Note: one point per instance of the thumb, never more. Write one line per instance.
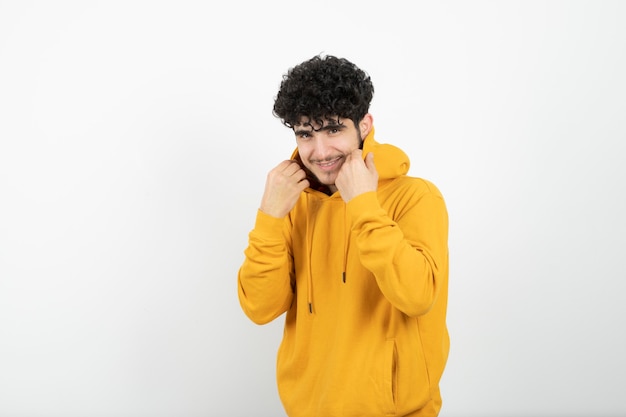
(369, 161)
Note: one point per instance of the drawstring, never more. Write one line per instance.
(309, 249)
(346, 242)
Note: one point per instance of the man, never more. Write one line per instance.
(354, 251)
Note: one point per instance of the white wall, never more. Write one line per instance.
(134, 142)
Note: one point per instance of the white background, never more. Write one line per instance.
(134, 142)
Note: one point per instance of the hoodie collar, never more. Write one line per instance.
(391, 162)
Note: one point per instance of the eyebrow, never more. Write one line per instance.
(329, 126)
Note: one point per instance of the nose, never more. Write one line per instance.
(322, 149)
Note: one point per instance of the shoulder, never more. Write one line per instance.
(414, 186)
(418, 196)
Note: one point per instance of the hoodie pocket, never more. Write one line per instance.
(390, 376)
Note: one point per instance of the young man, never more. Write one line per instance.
(355, 252)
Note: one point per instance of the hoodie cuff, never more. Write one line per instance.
(268, 226)
(363, 204)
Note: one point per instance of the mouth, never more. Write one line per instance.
(329, 165)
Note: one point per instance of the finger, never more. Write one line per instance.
(294, 171)
(304, 184)
(291, 168)
(357, 154)
(299, 175)
(369, 163)
(284, 164)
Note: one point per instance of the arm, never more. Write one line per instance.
(265, 289)
(264, 279)
(408, 256)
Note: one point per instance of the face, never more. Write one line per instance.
(323, 149)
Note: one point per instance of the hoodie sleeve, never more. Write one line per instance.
(407, 254)
(264, 278)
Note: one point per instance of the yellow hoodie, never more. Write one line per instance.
(365, 287)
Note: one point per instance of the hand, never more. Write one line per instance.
(357, 176)
(282, 188)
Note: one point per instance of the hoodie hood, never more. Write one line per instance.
(391, 162)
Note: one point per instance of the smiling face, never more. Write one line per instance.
(323, 148)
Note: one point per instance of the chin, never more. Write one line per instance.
(327, 179)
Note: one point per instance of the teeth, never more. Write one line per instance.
(327, 164)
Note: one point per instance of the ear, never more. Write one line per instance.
(365, 125)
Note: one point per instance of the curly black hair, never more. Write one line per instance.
(323, 88)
